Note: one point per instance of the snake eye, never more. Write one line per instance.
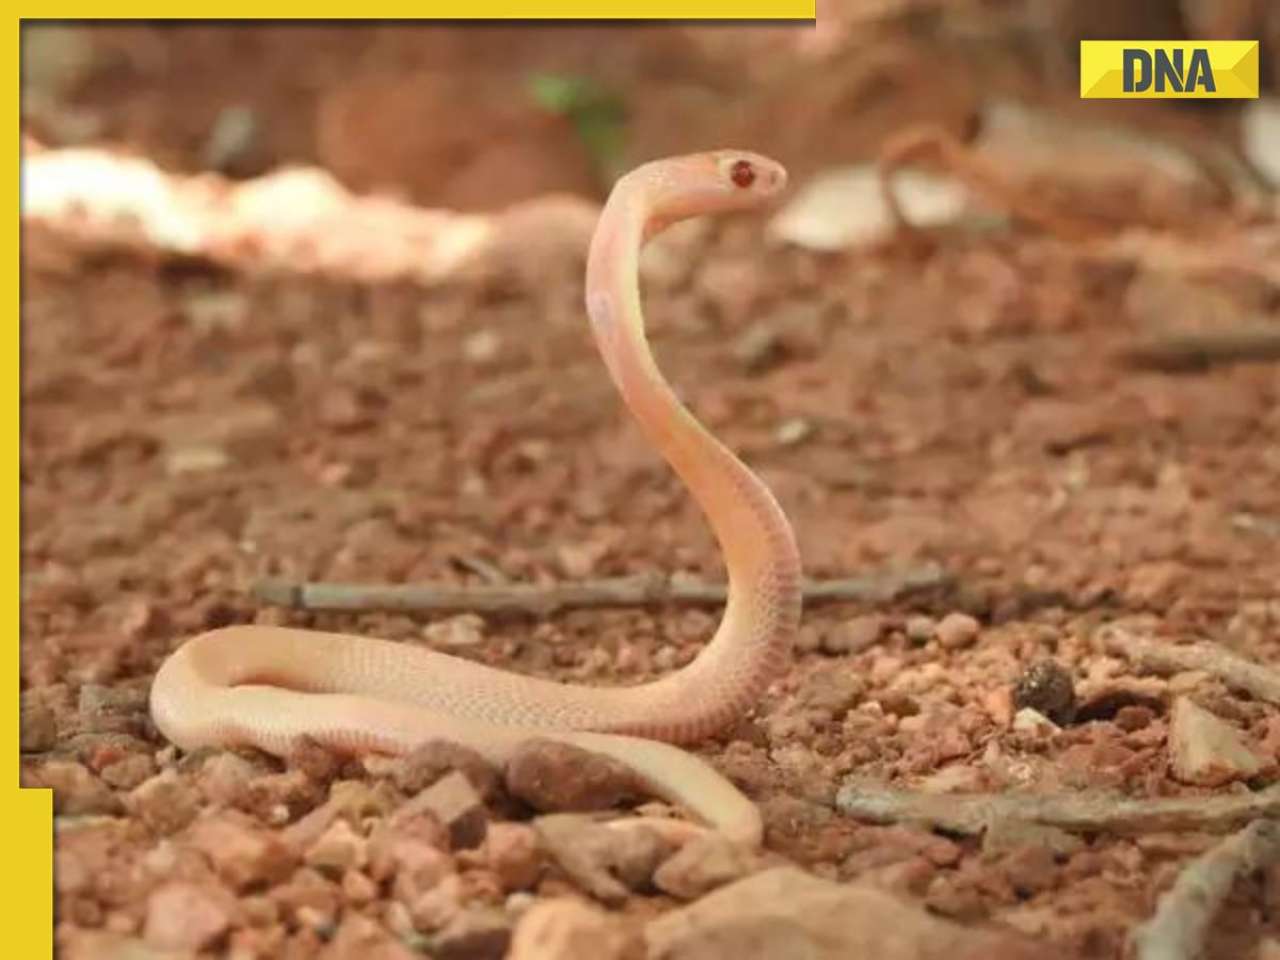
(743, 173)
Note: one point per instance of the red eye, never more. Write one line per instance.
(743, 173)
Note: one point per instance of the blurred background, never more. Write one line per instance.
(478, 117)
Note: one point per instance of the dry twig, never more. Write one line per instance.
(1084, 812)
(1176, 931)
(1254, 679)
(540, 601)
(1190, 352)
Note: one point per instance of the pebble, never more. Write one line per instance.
(567, 929)
(513, 853)
(166, 802)
(242, 853)
(434, 908)
(920, 629)
(793, 431)
(1206, 750)
(224, 778)
(701, 865)
(1006, 834)
(758, 347)
(787, 912)
(357, 888)
(477, 933)
(359, 938)
(956, 631)
(553, 777)
(426, 764)
(76, 791)
(1046, 687)
(454, 802)
(37, 726)
(854, 636)
(455, 633)
(1028, 720)
(1030, 869)
(128, 772)
(604, 861)
(184, 916)
(338, 850)
(416, 865)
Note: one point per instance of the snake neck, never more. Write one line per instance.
(751, 645)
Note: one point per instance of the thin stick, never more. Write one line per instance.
(1083, 812)
(1176, 931)
(539, 600)
(1237, 672)
(1181, 352)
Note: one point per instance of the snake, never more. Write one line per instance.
(276, 687)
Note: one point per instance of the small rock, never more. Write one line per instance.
(37, 725)
(195, 458)
(454, 802)
(76, 791)
(701, 865)
(455, 633)
(357, 888)
(339, 850)
(1206, 750)
(957, 630)
(514, 855)
(308, 890)
(832, 693)
(784, 912)
(854, 636)
(128, 772)
(1005, 835)
(477, 933)
(551, 776)
(1155, 585)
(1034, 722)
(166, 803)
(224, 778)
(1047, 688)
(416, 864)
(920, 629)
(1134, 717)
(604, 861)
(434, 908)
(1030, 869)
(359, 937)
(567, 929)
(241, 852)
(794, 430)
(185, 916)
(758, 347)
(482, 347)
(435, 758)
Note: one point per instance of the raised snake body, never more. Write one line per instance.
(272, 687)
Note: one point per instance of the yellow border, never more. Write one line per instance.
(502, 10)
(26, 814)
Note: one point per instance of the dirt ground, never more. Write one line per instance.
(958, 401)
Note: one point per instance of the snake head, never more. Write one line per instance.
(714, 182)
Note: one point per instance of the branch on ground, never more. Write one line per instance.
(1235, 671)
(1178, 927)
(542, 600)
(1082, 812)
(1191, 352)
